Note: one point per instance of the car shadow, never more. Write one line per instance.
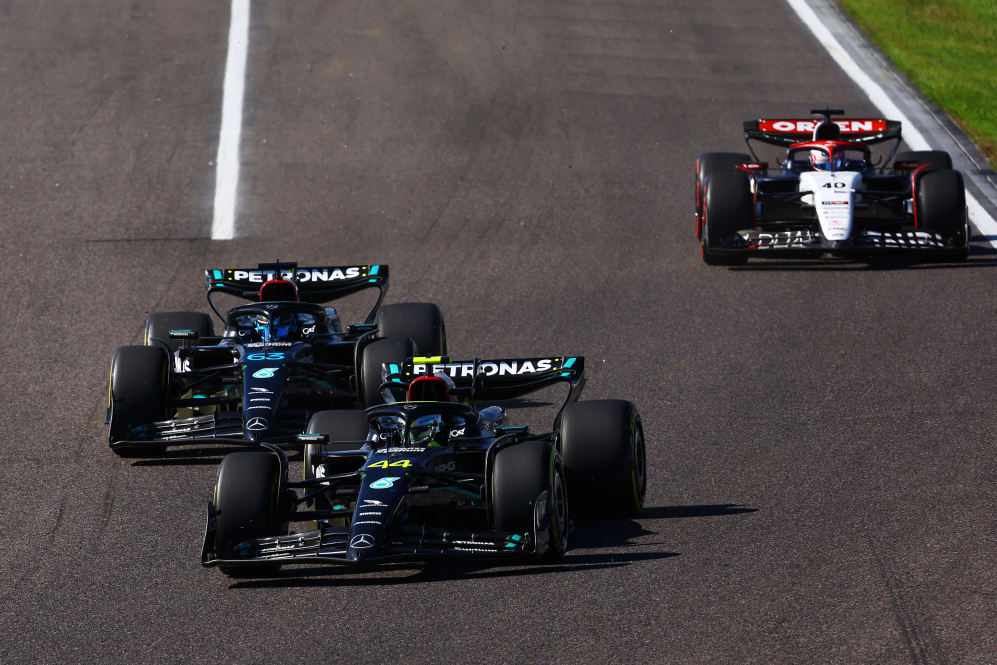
(981, 256)
(591, 534)
(204, 456)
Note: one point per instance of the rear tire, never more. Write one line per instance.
(159, 325)
(605, 458)
(727, 210)
(421, 321)
(341, 424)
(138, 394)
(246, 502)
(520, 474)
(938, 160)
(941, 208)
(390, 350)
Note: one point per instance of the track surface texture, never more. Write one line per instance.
(820, 433)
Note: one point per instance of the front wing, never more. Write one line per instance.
(863, 243)
(331, 545)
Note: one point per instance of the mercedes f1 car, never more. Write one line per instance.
(432, 475)
(828, 196)
(280, 359)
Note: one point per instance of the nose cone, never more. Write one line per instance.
(361, 545)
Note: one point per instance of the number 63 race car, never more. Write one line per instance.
(828, 196)
(280, 359)
(432, 475)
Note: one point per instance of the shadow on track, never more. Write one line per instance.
(983, 256)
(589, 535)
(204, 456)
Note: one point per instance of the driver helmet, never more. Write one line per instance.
(285, 327)
(428, 432)
(820, 160)
(436, 388)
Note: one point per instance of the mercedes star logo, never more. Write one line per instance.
(256, 424)
(362, 541)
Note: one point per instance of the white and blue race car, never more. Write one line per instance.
(829, 196)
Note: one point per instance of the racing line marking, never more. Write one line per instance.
(227, 161)
(912, 135)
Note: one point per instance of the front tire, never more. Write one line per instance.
(727, 210)
(247, 506)
(941, 208)
(605, 457)
(520, 474)
(138, 394)
(707, 164)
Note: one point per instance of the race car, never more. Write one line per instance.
(280, 359)
(434, 474)
(829, 196)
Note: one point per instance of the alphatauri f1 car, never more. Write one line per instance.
(828, 196)
(280, 359)
(432, 475)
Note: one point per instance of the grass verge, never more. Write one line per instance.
(948, 49)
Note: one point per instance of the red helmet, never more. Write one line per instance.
(278, 290)
(434, 388)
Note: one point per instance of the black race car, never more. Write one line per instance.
(434, 475)
(279, 359)
(829, 196)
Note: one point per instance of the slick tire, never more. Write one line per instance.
(605, 459)
(938, 160)
(246, 504)
(390, 350)
(940, 202)
(727, 210)
(420, 321)
(138, 394)
(345, 424)
(706, 165)
(520, 474)
(159, 325)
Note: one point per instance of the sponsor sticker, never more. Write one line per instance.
(857, 126)
(384, 483)
(362, 541)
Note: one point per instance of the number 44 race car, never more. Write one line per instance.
(432, 475)
(828, 196)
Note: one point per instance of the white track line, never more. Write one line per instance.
(227, 161)
(912, 135)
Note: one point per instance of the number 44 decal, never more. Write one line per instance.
(383, 464)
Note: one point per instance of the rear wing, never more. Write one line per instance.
(316, 285)
(785, 132)
(493, 379)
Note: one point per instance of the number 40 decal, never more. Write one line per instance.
(383, 464)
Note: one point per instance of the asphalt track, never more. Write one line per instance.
(820, 433)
